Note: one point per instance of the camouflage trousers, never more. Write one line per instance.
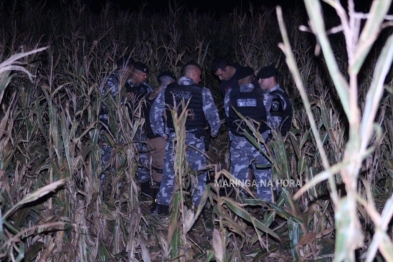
(143, 171)
(243, 153)
(196, 162)
(106, 156)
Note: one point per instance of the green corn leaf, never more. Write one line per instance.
(369, 34)
(295, 233)
(375, 92)
(348, 236)
(21, 253)
(239, 211)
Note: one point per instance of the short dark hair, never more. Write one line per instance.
(190, 63)
(125, 61)
(219, 63)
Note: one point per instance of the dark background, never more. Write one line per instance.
(214, 7)
(218, 6)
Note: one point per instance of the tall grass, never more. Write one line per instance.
(49, 135)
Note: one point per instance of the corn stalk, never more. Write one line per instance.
(349, 235)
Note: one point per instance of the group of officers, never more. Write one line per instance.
(257, 98)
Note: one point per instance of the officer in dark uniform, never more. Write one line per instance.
(248, 100)
(226, 72)
(204, 111)
(278, 105)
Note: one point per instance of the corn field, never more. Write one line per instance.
(337, 70)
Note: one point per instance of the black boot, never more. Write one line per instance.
(154, 190)
(161, 210)
(146, 189)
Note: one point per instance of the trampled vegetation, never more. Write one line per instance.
(54, 64)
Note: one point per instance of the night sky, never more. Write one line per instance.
(217, 7)
(203, 6)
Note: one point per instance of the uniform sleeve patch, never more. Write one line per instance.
(275, 105)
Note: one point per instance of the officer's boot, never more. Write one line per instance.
(155, 188)
(146, 189)
(160, 210)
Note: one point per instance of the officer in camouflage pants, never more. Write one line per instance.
(277, 103)
(136, 89)
(204, 110)
(110, 92)
(155, 142)
(248, 100)
(196, 161)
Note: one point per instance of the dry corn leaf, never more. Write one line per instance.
(218, 246)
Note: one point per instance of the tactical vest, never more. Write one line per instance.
(277, 109)
(146, 106)
(250, 105)
(196, 119)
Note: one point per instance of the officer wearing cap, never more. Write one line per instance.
(110, 91)
(136, 89)
(278, 105)
(204, 111)
(155, 142)
(116, 80)
(248, 100)
(137, 86)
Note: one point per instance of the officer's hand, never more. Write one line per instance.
(165, 137)
(130, 96)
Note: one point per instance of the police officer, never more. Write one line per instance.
(155, 142)
(117, 79)
(136, 89)
(278, 105)
(204, 110)
(248, 100)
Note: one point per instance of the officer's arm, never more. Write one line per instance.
(287, 115)
(227, 103)
(148, 87)
(156, 111)
(211, 112)
(111, 86)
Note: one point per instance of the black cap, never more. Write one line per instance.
(125, 61)
(166, 73)
(243, 71)
(141, 67)
(266, 72)
(191, 63)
